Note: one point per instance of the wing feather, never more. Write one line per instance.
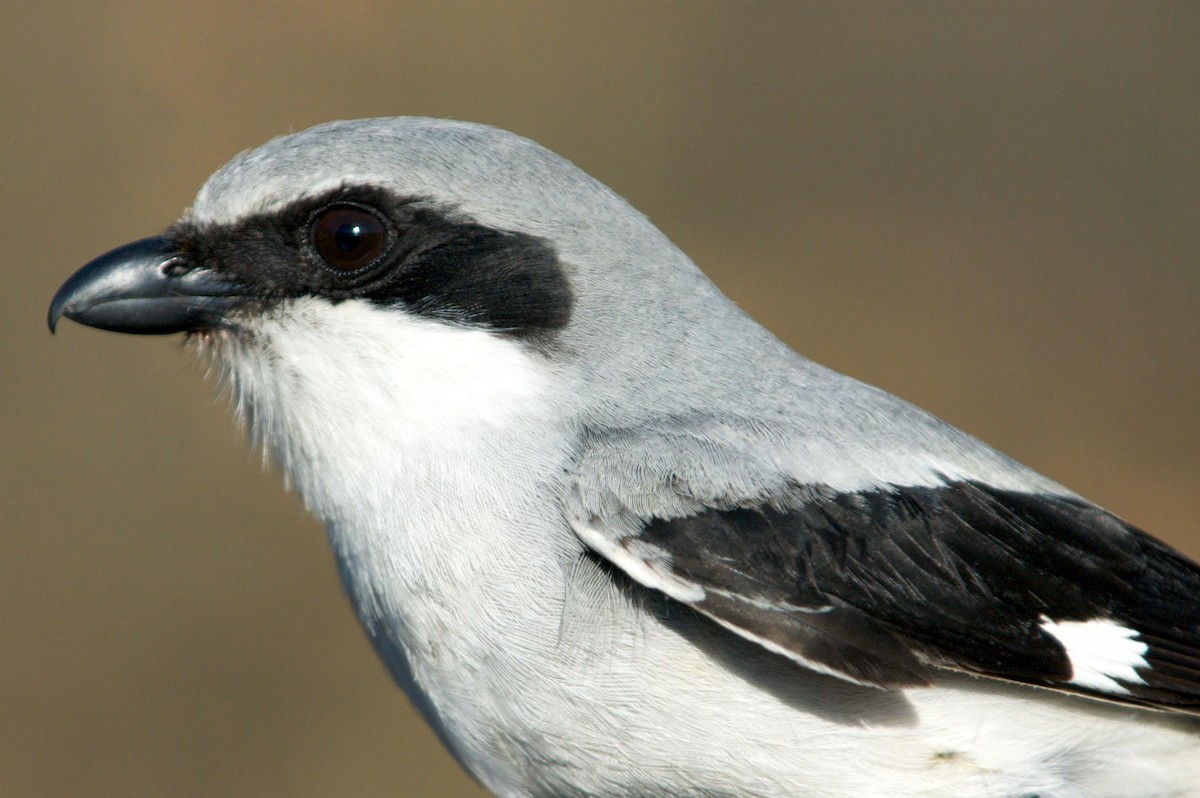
(882, 586)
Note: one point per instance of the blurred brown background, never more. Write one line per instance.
(992, 210)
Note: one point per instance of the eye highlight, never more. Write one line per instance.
(349, 238)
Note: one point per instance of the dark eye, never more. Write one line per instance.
(349, 238)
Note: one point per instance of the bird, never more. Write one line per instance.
(614, 538)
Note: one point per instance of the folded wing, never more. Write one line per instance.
(885, 584)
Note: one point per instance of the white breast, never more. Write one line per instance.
(426, 449)
(434, 456)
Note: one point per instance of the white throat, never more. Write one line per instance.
(426, 449)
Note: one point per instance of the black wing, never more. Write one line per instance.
(881, 586)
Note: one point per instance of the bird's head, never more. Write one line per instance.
(360, 275)
(356, 249)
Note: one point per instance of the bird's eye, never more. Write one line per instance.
(349, 238)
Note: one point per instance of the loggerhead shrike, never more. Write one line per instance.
(613, 537)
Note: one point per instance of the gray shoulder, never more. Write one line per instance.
(845, 437)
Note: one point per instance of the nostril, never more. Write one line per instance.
(175, 267)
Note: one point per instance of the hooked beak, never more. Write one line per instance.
(139, 288)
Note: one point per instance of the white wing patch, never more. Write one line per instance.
(1101, 652)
